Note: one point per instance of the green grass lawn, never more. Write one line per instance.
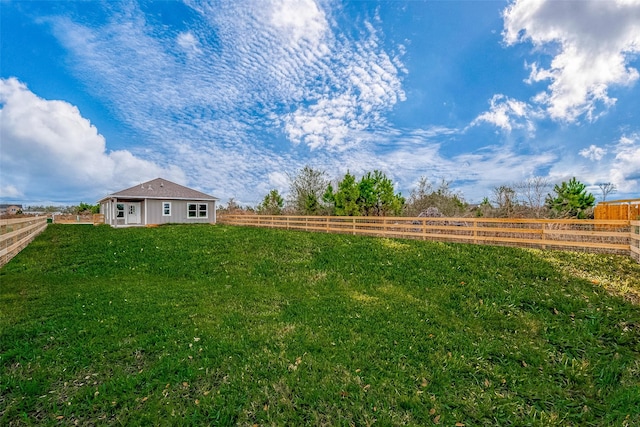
(220, 325)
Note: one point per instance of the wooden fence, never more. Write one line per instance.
(634, 240)
(72, 219)
(628, 209)
(16, 234)
(612, 236)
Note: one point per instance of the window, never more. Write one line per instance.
(120, 210)
(132, 210)
(166, 208)
(197, 210)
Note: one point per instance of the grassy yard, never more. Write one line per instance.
(219, 325)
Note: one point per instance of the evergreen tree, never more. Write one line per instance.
(571, 199)
(377, 197)
(346, 197)
(329, 198)
(373, 195)
(272, 204)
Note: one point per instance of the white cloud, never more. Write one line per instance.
(10, 192)
(361, 84)
(280, 67)
(300, 20)
(279, 181)
(593, 152)
(595, 40)
(189, 43)
(508, 114)
(625, 170)
(48, 148)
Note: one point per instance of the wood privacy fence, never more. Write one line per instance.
(611, 236)
(628, 209)
(16, 234)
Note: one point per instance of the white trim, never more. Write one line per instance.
(132, 213)
(163, 213)
(197, 212)
(124, 213)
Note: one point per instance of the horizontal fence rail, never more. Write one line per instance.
(72, 219)
(16, 234)
(610, 236)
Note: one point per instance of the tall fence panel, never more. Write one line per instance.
(16, 234)
(611, 236)
(618, 209)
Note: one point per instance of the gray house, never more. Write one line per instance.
(157, 202)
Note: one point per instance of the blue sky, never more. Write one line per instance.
(232, 97)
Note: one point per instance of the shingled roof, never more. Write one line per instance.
(161, 188)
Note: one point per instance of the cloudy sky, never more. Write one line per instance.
(229, 97)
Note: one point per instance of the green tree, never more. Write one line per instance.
(86, 208)
(372, 195)
(271, 204)
(346, 197)
(329, 198)
(571, 199)
(377, 197)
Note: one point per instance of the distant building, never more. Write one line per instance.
(10, 209)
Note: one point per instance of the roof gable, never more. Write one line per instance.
(160, 188)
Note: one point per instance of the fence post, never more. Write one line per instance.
(544, 237)
(475, 231)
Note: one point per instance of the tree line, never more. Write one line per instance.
(311, 192)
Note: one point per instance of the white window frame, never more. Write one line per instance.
(197, 210)
(166, 205)
(120, 212)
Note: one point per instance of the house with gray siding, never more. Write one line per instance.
(155, 202)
